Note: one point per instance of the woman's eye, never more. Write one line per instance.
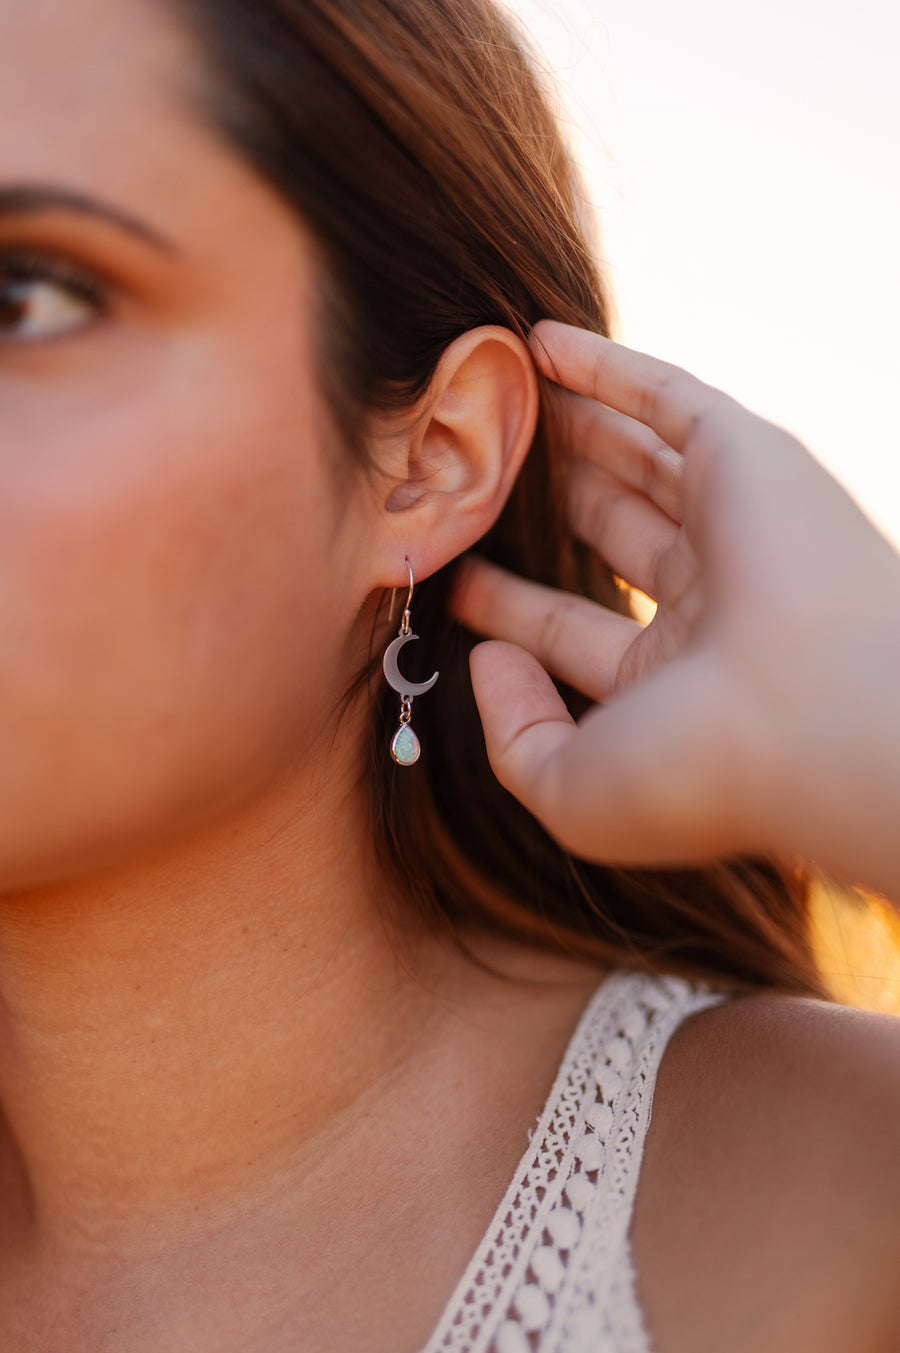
(39, 301)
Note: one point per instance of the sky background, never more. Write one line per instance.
(744, 162)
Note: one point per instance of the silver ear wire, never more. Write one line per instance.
(405, 746)
(409, 597)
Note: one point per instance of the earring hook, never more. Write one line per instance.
(404, 627)
(404, 623)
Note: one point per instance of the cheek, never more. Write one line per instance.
(172, 602)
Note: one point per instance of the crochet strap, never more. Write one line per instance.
(553, 1273)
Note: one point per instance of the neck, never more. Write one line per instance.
(174, 1036)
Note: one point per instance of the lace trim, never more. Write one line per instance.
(553, 1273)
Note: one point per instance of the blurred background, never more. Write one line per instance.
(744, 163)
(744, 166)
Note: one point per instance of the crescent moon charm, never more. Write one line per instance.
(395, 678)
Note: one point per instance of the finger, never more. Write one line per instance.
(580, 642)
(623, 527)
(661, 396)
(626, 449)
(525, 721)
(647, 780)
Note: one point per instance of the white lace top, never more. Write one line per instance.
(553, 1273)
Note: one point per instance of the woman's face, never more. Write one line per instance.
(182, 545)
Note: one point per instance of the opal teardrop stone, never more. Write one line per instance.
(405, 746)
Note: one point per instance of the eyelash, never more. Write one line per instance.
(28, 265)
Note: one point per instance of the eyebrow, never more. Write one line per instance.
(29, 200)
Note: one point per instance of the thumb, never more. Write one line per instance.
(526, 723)
(653, 778)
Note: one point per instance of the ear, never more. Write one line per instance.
(451, 468)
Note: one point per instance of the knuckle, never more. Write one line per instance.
(658, 392)
(590, 508)
(698, 428)
(713, 418)
(597, 374)
(655, 466)
(552, 630)
(656, 568)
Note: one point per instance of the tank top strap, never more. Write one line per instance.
(553, 1273)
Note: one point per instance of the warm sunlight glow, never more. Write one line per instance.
(744, 166)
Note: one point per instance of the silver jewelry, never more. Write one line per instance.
(405, 746)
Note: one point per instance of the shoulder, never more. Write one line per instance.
(810, 1069)
(803, 1054)
(771, 1178)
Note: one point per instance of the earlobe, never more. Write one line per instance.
(461, 454)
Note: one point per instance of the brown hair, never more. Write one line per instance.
(414, 140)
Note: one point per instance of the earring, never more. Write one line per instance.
(405, 746)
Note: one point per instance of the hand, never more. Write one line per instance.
(760, 709)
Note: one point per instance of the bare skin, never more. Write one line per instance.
(766, 1217)
(231, 1103)
(223, 1084)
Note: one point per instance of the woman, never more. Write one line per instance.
(278, 1013)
